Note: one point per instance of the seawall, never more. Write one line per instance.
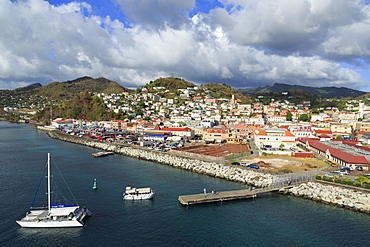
(357, 199)
(327, 193)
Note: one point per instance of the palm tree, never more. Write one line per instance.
(362, 180)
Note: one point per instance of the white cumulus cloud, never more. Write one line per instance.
(242, 43)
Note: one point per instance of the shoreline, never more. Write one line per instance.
(333, 194)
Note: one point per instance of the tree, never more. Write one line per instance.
(363, 180)
(315, 111)
(289, 116)
(281, 146)
(304, 118)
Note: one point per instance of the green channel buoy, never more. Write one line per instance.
(95, 186)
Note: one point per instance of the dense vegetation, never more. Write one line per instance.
(84, 106)
(171, 83)
(69, 89)
(217, 90)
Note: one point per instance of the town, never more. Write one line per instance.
(194, 123)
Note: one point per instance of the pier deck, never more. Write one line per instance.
(226, 195)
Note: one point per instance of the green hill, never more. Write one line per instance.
(82, 106)
(218, 90)
(171, 83)
(70, 89)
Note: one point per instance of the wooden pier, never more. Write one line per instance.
(227, 195)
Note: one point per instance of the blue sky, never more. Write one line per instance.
(243, 43)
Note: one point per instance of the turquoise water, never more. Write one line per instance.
(271, 220)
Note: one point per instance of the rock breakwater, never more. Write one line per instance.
(332, 194)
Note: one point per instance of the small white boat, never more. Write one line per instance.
(102, 154)
(138, 194)
(54, 215)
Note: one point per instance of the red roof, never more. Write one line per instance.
(176, 129)
(328, 132)
(341, 155)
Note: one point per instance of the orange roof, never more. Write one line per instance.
(241, 126)
(288, 133)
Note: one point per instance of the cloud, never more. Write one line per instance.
(241, 43)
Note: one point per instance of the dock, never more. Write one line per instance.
(227, 195)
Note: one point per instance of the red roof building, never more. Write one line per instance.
(340, 157)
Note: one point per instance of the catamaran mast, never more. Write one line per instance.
(49, 182)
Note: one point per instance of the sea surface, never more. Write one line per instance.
(270, 220)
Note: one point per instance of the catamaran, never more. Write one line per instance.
(54, 215)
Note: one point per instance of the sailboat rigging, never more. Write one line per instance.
(55, 215)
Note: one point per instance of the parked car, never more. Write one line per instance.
(235, 163)
(337, 173)
(253, 166)
(345, 170)
(243, 164)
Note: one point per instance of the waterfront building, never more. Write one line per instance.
(60, 123)
(335, 155)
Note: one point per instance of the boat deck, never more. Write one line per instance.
(33, 215)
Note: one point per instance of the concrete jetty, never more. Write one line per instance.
(227, 195)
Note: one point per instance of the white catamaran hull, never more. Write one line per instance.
(50, 223)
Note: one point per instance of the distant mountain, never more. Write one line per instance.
(327, 92)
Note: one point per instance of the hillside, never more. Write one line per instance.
(171, 83)
(217, 90)
(69, 89)
(82, 106)
(327, 92)
(172, 86)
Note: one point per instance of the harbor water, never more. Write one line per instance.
(269, 220)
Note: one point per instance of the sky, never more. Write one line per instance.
(243, 43)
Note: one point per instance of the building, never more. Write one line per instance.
(362, 126)
(185, 132)
(217, 134)
(336, 156)
(273, 137)
(60, 123)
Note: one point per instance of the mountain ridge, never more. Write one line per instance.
(327, 92)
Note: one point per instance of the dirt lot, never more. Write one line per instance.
(279, 162)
